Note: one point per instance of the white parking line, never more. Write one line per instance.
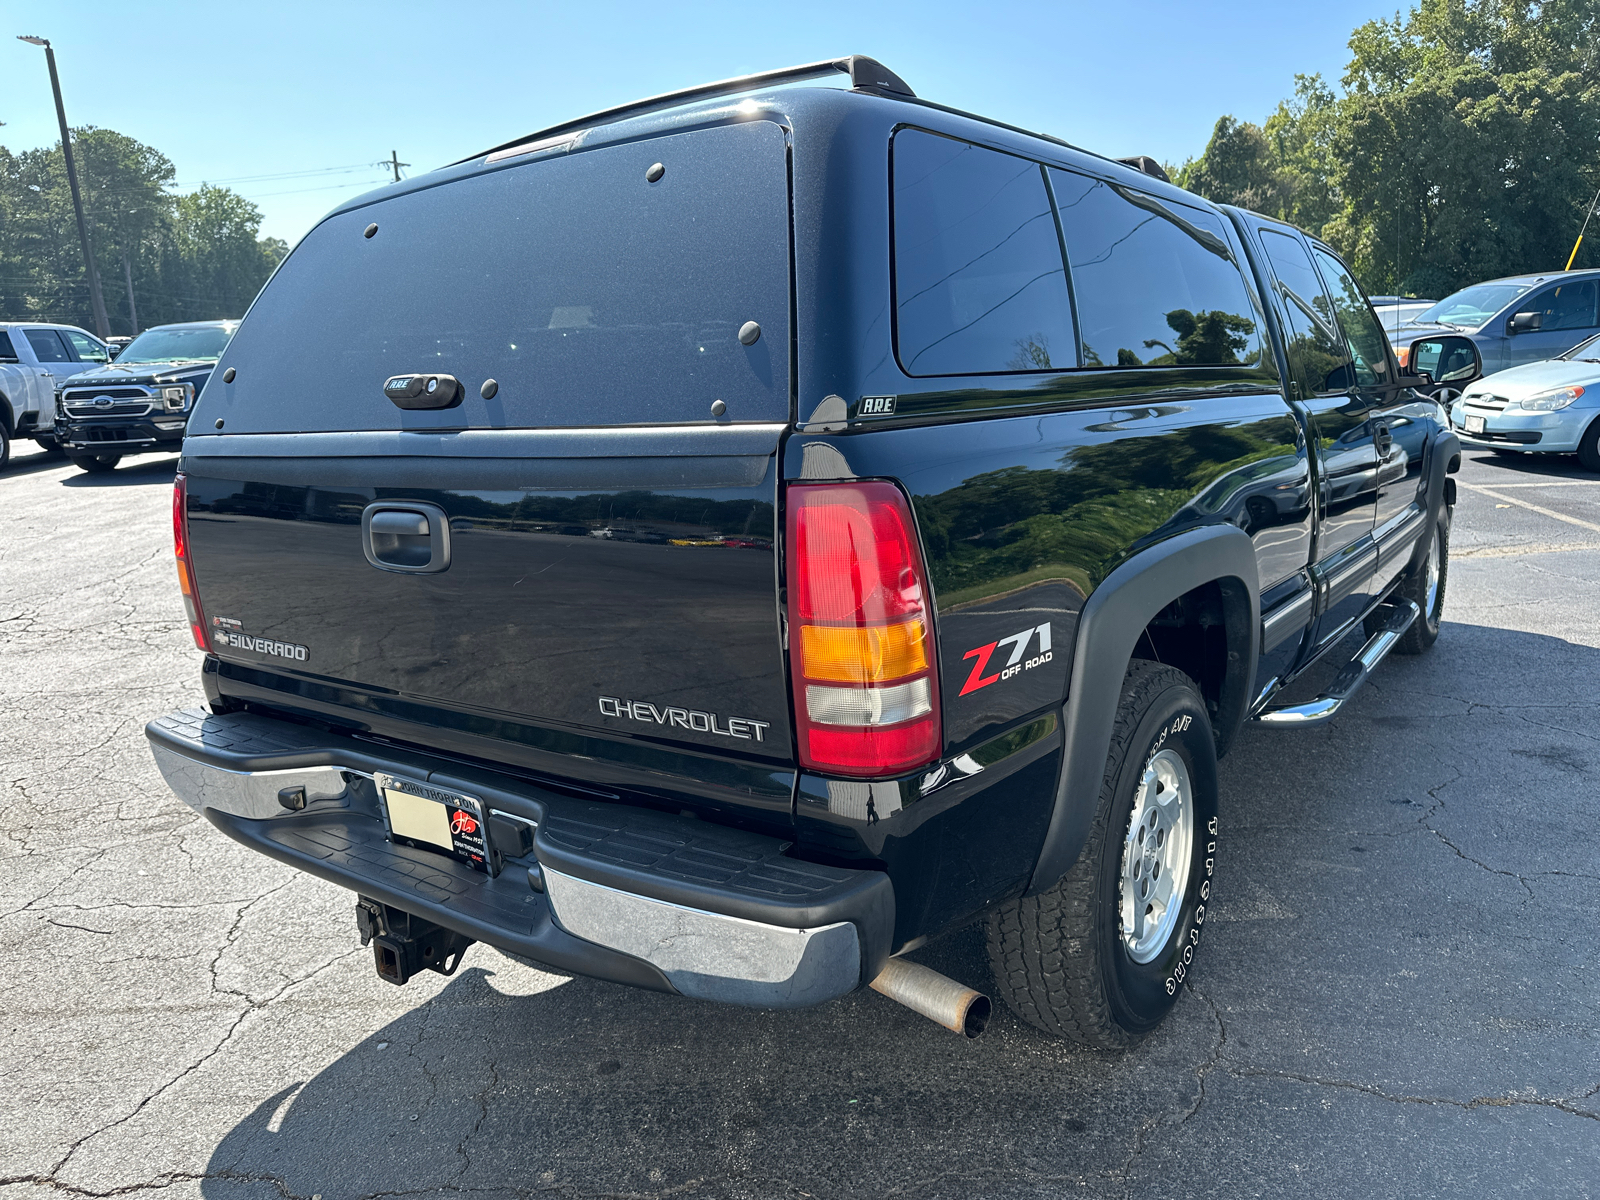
(1552, 483)
(1543, 512)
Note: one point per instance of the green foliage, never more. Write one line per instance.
(189, 257)
(1466, 145)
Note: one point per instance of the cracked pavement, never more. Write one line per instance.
(1399, 994)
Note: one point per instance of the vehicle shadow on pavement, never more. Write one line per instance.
(157, 470)
(1389, 857)
(594, 1088)
(1544, 466)
(31, 464)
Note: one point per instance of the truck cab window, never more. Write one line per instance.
(8, 352)
(47, 346)
(84, 347)
(979, 282)
(1368, 345)
(1314, 336)
(1156, 282)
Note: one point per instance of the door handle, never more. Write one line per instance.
(406, 536)
(1382, 438)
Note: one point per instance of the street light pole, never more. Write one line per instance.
(102, 326)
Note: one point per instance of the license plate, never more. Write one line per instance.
(1475, 424)
(434, 818)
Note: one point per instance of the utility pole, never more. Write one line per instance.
(394, 161)
(101, 325)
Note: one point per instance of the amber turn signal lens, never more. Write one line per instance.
(874, 654)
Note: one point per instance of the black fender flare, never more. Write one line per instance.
(1113, 618)
(1443, 449)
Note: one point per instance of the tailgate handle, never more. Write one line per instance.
(406, 536)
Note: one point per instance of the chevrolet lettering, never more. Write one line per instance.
(683, 718)
(1007, 482)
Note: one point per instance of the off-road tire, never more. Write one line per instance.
(95, 464)
(1424, 631)
(1589, 447)
(1058, 958)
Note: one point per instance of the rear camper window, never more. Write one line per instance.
(1157, 282)
(589, 294)
(979, 281)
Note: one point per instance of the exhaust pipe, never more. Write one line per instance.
(954, 1005)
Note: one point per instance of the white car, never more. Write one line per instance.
(1549, 407)
(34, 359)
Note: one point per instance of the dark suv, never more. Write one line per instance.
(140, 402)
(722, 543)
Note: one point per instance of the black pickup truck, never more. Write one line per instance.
(141, 402)
(721, 543)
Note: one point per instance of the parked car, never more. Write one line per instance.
(1065, 475)
(34, 357)
(140, 402)
(1549, 407)
(1516, 320)
(1395, 312)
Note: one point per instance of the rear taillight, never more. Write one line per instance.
(866, 687)
(180, 544)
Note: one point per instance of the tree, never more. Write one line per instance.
(219, 262)
(160, 257)
(1466, 145)
(1467, 142)
(1238, 167)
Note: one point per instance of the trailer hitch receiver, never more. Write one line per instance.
(402, 944)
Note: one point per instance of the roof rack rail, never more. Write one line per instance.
(866, 74)
(1143, 162)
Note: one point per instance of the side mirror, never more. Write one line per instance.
(1525, 322)
(1445, 359)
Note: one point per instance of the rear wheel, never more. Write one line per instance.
(1589, 448)
(95, 464)
(1099, 957)
(5, 446)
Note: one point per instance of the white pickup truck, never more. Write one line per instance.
(34, 359)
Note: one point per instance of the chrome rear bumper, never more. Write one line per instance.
(615, 892)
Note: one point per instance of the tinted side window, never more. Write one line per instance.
(1368, 345)
(1566, 306)
(84, 347)
(47, 347)
(979, 282)
(1156, 283)
(1314, 337)
(8, 352)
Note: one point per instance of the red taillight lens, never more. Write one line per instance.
(866, 688)
(180, 545)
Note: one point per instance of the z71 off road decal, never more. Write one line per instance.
(1015, 665)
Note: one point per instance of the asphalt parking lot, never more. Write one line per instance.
(1400, 995)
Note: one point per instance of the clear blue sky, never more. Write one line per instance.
(232, 93)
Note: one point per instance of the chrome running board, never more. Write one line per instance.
(1356, 672)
